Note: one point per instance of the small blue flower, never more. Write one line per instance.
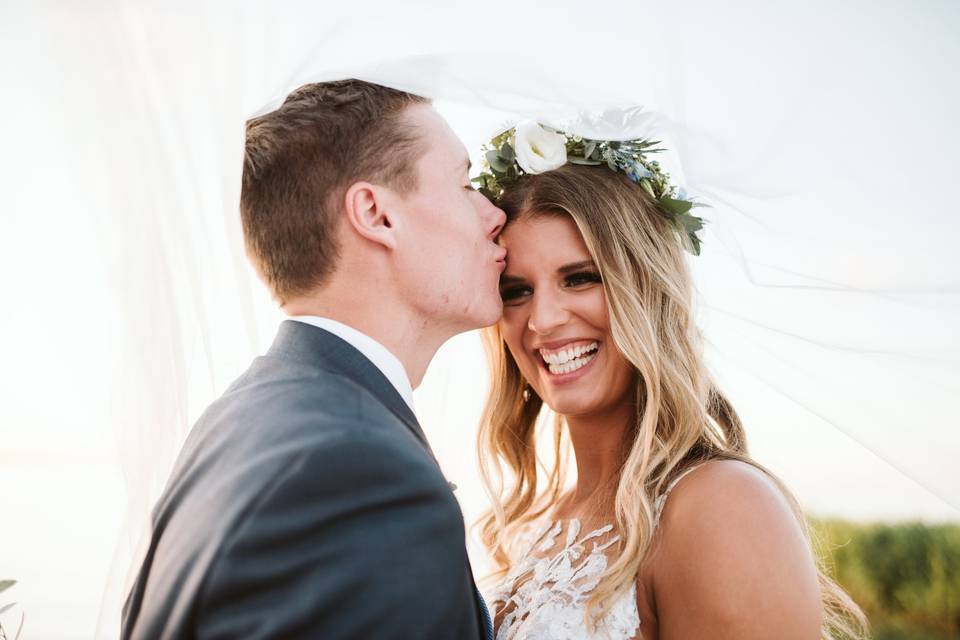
(637, 171)
(682, 194)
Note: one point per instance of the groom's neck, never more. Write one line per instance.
(410, 338)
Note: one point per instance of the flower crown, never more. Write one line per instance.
(531, 148)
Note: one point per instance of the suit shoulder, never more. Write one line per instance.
(264, 425)
(283, 401)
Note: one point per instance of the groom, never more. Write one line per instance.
(306, 502)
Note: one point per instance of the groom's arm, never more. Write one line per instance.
(357, 538)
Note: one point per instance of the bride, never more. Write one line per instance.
(671, 529)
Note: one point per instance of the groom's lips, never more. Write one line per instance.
(501, 258)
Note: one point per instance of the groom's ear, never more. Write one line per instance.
(366, 210)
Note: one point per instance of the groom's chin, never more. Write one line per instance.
(490, 314)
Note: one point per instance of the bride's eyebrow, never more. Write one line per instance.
(576, 266)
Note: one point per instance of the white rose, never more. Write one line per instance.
(539, 150)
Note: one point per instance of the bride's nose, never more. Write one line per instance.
(547, 314)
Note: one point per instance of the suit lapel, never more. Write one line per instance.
(486, 621)
(306, 343)
(311, 345)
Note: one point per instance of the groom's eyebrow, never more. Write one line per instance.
(576, 266)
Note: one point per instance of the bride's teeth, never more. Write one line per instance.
(558, 369)
(567, 356)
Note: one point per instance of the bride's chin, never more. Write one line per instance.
(566, 406)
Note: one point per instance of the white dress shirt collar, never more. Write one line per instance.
(379, 355)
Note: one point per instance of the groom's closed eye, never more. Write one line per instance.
(465, 170)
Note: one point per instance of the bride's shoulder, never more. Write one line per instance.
(728, 536)
(725, 498)
(719, 485)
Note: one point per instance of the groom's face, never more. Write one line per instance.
(449, 264)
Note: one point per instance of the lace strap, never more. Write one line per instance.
(662, 498)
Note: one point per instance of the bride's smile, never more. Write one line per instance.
(568, 359)
(555, 319)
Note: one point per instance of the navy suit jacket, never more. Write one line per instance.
(306, 503)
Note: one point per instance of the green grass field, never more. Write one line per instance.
(906, 576)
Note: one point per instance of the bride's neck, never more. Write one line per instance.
(597, 441)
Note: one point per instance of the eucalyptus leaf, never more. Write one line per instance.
(6, 584)
(690, 223)
(589, 148)
(497, 164)
(507, 152)
(586, 161)
(676, 207)
(492, 156)
(7, 607)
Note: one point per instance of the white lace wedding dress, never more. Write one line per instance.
(544, 595)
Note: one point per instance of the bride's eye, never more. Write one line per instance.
(582, 278)
(514, 294)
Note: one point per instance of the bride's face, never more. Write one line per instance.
(555, 319)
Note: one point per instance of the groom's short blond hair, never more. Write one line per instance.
(299, 161)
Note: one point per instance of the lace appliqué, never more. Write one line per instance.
(545, 594)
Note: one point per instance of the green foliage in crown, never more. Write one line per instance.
(531, 148)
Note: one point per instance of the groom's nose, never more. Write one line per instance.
(495, 218)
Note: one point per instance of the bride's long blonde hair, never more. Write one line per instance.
(681, 417)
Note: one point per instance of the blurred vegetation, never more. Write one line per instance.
(4, 585)
(906, 576)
